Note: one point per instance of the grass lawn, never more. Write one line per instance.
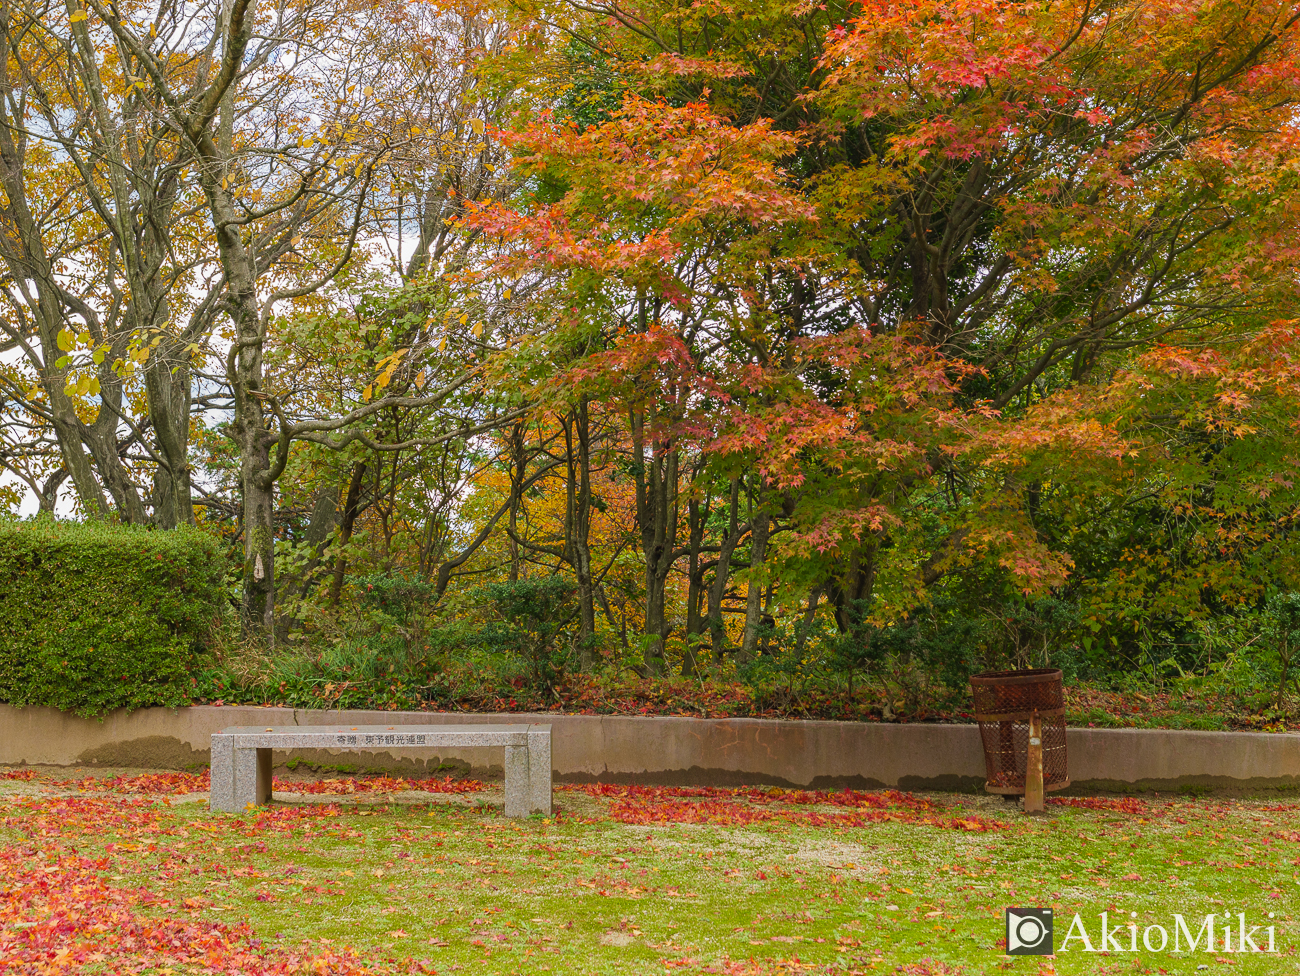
(132, 874)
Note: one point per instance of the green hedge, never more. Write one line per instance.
(97, 617)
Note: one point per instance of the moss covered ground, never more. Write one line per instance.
(133, 874)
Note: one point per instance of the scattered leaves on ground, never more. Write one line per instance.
(127, 874)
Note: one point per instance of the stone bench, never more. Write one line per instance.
(241, 757)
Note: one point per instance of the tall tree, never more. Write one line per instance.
(1030, 194)
(109, 291)
(289, 155)
(646, 234)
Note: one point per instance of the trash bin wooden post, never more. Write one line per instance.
(1034, 765)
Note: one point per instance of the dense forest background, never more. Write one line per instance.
(826, 352)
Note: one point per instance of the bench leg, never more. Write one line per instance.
(239, 777)
(221, 792)
(252, 777)
(263, 776)
(517, 781)
(539, 772)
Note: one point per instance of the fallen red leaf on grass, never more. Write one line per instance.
(1129, 805)
(149, 784)
(736, 814)
(59, 914)
(929, 967)
(380, 784)
(733, 807)
(881, 799)
(179, 784)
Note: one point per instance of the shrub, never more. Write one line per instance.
(530, 620)
(397, 595)
(95, 617)
(1282, 630)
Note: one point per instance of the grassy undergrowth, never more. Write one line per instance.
(294, 679)
(622, 882)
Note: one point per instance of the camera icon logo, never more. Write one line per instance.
(1029, 932)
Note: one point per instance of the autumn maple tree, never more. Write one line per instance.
(976, 217)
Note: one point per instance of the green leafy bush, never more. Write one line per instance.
(97, 617)
(397, 595)
(1282, 631)
(530, 619)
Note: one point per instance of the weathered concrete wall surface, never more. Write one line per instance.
(673, 750)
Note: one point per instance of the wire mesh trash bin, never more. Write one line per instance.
(1005, 704)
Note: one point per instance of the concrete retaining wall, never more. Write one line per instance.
(675, 750)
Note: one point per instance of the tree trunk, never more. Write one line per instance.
(75, 460)
(518, 470)
(656, 509)
(697, 515)
(351, 509)
(1284, 652)
(852, 587)
(801, 638)
(582, 540)
(761, 523)
(717, 629)
(49, 494)
(167, 383)
(325, 512)
(257, 608)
